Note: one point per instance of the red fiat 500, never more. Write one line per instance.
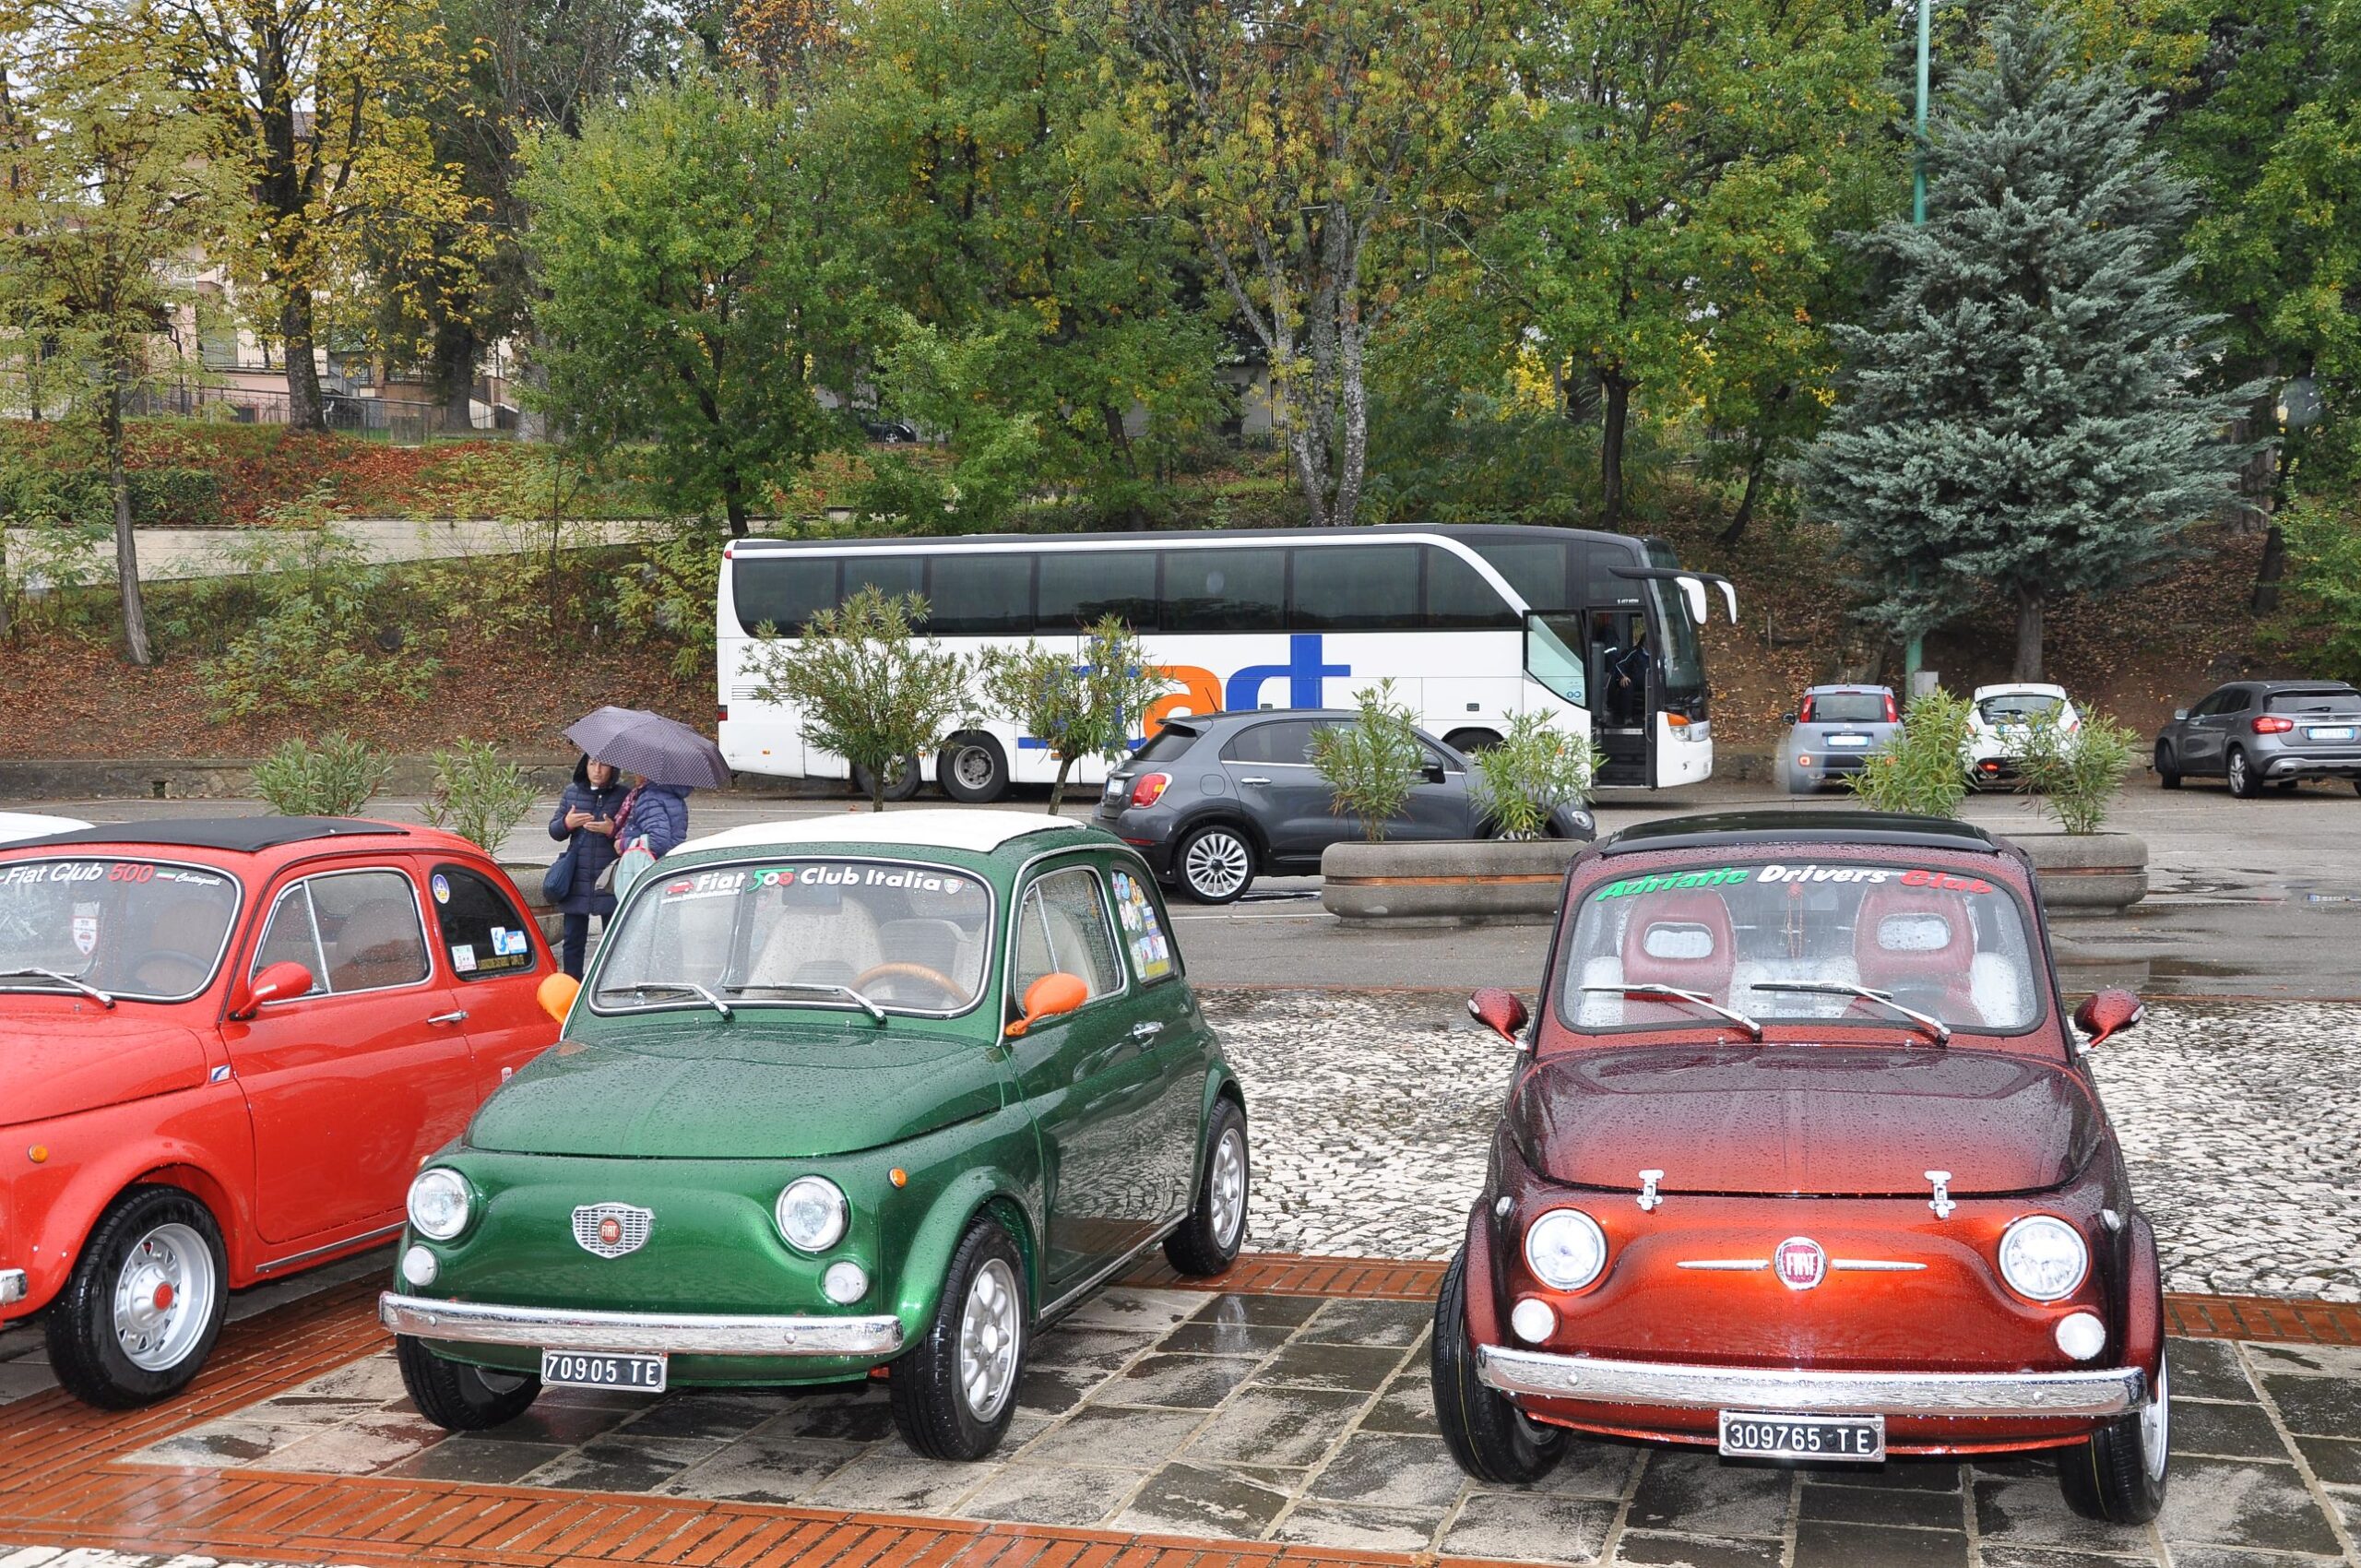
(228, 1043)
(1802, 1161)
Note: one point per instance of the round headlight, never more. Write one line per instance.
(2043, 1258)
(439, 1201)
(811, 1213)
(1566, 1249)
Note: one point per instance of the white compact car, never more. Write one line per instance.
(17, 825)
(1998, 715)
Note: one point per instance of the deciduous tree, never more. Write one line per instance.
(1089, 702)
(869, 688)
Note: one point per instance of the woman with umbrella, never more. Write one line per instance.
(670, 758)
(585, 819)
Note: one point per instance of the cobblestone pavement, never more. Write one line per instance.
(1295, 1419)
(2242, 1125)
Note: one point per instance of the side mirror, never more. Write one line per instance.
(1787, 719)
(1048, 997)
(1433, 772)
(556, 995)
(1502, 1012)
(2180, 713)
(278, 982)
(2106, 1014)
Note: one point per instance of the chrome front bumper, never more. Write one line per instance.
(684, 1334)
(1661, 1385)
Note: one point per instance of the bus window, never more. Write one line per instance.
(783, 591)
(1355, 587)
(1225, 590)
(1079, 586)
(1598, 581)
(980, 593)
(1536, 569)
(1460, 600)
(903, 572)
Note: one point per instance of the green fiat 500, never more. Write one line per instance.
(838, 1095)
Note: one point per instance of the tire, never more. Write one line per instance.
(1467, 742)
(2168, 770)
(1209, 1241)
(1489, 1437)
(2243, 784)
(2119, 1475)
(972, 769)
(904, 783)
(1214, 865)
(954, 1392)
(459, 1397)
(143, 1306)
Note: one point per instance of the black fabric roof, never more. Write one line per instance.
(1717, 828)
(243, 834)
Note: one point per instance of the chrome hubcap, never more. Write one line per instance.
(988, 1336)
(972, 766)
(163, 1297)
(2155, 1426)
(1217, 864)
(1227, 1188)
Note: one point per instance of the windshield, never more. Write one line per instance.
(1845, 707)
(2017, 708)
(144, 931)
(795, 932)
(1681, 672)
(1950, 945)
(2326, 701)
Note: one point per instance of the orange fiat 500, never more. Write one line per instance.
(228, 1042)
(1802, 1161)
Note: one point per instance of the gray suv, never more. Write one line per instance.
(1216, 800)
(2258, 732)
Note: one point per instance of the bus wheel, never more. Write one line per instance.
(972, 769)
(900, 785)
(1468, 741)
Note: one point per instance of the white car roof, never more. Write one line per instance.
(975, 829)
(15, 826)
(2027, 688)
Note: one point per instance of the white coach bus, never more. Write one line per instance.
(1474, 624)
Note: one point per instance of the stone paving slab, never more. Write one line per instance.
(1307, 1421)
(1373, 1112)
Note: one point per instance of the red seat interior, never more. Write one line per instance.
(1933, 979)
(1707, 974)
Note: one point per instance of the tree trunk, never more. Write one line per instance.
(306, 409)
(2267, 574)
(2029, 626)
(127, 547)
(1737, 531)
(455, 374)
(733, 503)
(1058, 789)
(1610, 448)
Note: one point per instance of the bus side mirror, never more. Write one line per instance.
(556, 994)
(1049, 997)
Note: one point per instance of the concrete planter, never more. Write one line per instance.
(527, 878)
(2088, 872)
(1456, 882)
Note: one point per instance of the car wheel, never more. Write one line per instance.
(900, 785)
(1217, 863)
(459, 1397)
(972, 769)
(2119, 1475)
(143, 1306)
(2244, 783)
(2168, 770)
(954, 1392)
(1467, 742)
(1208, 1239)
(1490, 1438)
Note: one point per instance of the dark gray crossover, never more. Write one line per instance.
(2258, 732)
(1215, 799)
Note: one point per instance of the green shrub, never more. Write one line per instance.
(2322, 622)
(333, 776)
(176, 497)
(1535, 768)
(1372, 765)
(2073, 774)
(1923, 770)
(477, 796)
(308, 642)
(669, 595)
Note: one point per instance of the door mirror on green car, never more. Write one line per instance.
(1050, 996)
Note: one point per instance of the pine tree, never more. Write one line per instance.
(2023, 414)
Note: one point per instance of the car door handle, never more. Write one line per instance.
(1146, 1030)
(1253, 779)
(458, 1017)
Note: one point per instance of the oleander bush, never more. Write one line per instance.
(1535, 768)
(2073, 775)
(478, 795)
(334, 776)
(1923, 770)
(1373, 763)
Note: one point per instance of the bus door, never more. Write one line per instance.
(1622, 680)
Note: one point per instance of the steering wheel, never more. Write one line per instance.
(951, 989)
(197, 967)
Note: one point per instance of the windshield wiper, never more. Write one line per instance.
(641, 989)
(865, 1004)
(92, 992)
(1926, 1021)
(1694, 998)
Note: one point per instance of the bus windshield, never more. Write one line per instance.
(1682, 674)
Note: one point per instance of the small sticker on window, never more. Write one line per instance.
(1151, 955)
(441, 889)
(506, 943)
(463, 956)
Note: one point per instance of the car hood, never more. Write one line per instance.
(1806, 1120)
(748, 1088)
(58, 1057)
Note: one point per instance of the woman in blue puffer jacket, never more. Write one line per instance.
(586, 814)
(656, 812)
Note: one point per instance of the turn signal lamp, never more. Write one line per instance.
(1148, 787)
